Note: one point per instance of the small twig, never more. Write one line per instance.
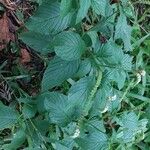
(16, 19)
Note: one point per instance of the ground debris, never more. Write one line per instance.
(6, 31)
(25, 56)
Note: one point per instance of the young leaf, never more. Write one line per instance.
(123, 31)
(83, 10)
(112, 55)
(123, 63)
(8, 117)
(99, 6)
(69, 45)
(58, 71)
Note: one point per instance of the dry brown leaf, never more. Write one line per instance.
(25, 56)
(5, 34)
(8, 4)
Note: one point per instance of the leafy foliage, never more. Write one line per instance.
(8, 117)
(93, 141)
(92, 89)
(47, 19)
(82, 12)
(57, 71)
(131, 127)
(33, 38)
(61, 110)
(99, 4)
(123, 31)
(69, 46)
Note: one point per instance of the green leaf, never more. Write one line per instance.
(37, 41)
(140, 41)
(29, 110)
(37, 129)
(113, 56)
(41, 125)
(8, 117)
(34, 148)
(100, 100)
(131, 126)
(123, 31)
(118, 63)
(146, 49)
(83, 10)
(65, 7)
(47, 19)
(84, 68)
(93, 141)
(105, 26)
(65, 144)
(61, 110)
(37, 1)
(95, 125)
(40, 101)
(80, 91)
(99, 6)
(18, 139)
(130, 121)
(70, 129)
(60, 146)
(29, 107)
(58, 71)
(122, 63)
(117, 75)
(69, 45)
(94, 37)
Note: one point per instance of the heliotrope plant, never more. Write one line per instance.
(85, 82)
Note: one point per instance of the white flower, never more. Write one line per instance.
(143, 73)
(112, 98)
(138, 75)
(105, 109)
(76, 134)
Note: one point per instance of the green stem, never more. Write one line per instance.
(127, 90)
(92, 94)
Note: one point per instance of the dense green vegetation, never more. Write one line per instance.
(82, 80)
